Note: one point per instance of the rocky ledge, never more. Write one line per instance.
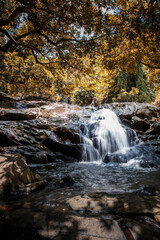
(44, 131)
(16, 176)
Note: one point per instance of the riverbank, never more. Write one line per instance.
(46, 136)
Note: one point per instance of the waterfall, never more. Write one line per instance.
(102, 135)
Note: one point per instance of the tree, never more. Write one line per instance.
(135, 35)
(51, 29)
(122, 80)
(21, 76)
(141, 82)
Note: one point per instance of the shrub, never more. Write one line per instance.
(83, 97)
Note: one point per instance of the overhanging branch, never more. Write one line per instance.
(14, 14)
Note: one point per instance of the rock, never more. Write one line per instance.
(139, 230)
(15, 175)
(148, 164)
(16, 115)
(127, 122)
(157, 217)
(128, 110)
(139, 124)
(149, 191)
(33, 154)
(35, 104)
(6, 101)
(66, 181)
(124, 110)
(25, 223)
(39, 157)
(7, 136)
(156, 128)
(73, 151)
(65, 133)
(132, 136)
(147, 111)
(122, 203)
(49, 225)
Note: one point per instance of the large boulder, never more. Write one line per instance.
(15, 175)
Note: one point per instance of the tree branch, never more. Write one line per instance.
(14, 14)
(8, 35)
(150, 66)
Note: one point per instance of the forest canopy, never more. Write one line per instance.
(80, 50)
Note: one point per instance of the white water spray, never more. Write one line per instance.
(103, 134)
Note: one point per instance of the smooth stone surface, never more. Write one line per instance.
(47, 224)
(126, 203)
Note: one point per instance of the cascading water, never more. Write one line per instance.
(101, 135)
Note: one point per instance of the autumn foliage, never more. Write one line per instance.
(80, 51)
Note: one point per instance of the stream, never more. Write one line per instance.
(113, 160)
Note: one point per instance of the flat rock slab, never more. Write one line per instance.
(83, 228)
(37, 224)
(123, 203)
(17, 114)
(31, 224)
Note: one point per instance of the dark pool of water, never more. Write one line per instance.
(93, 177)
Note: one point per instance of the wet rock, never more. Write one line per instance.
(67, 149)
(106, 159)
(149, 191)
(52, 157)
(65, 181)
(73, 117)
(132, 136)
(16, 115)
(40, 157)
(7, 136)
(148, 155)
(148, 164)
(156, 128)
(33, 154)
(65, 133)
(121, 157)
(15, 175)
(127, 122)
(138, 123)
